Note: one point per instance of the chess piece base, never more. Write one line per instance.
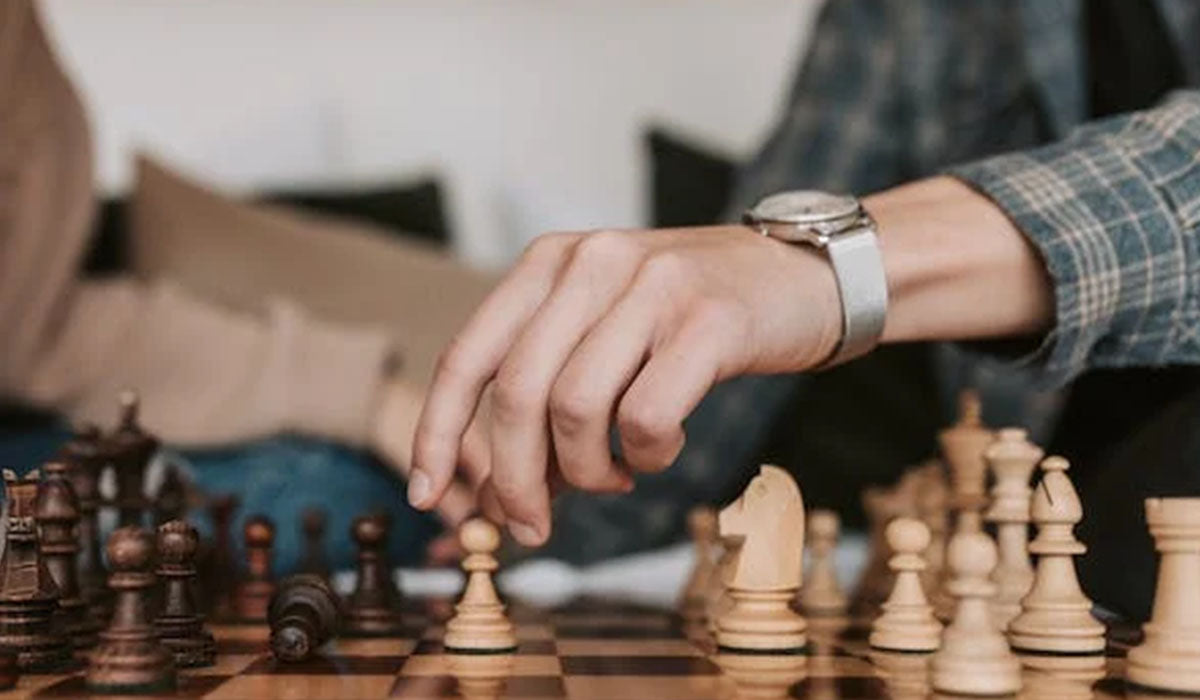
(127, 666)
(906, 635)
(1176, 670)
(27, 628)
(372, 622)
(196, 650)
(9, 673)
(761, 622)
(480, 629)
(1064, 631)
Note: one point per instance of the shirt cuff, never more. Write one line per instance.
(1107, 210)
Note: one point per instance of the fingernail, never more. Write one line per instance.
(527, 535)
(418, 488)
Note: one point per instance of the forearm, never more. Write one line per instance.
(957, 268)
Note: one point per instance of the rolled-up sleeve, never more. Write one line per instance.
(1114, 210)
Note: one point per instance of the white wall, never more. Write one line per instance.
(530, 110)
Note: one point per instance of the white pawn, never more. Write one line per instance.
(1012, 458)
(907, 622)
(479, 624)
(1056, 616)
(1169, 657)
(820, 594)
(974, 658)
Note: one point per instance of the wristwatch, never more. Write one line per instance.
(838, 225)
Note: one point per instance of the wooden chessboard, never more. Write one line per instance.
(589, 650)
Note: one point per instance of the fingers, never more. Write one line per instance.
(673, 381)
(584, 397)
(470, 362)
(601, 267)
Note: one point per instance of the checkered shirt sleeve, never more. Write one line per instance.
(1114, 210)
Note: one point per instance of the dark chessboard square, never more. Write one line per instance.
(238, 647)
(328, 666)
(638, 666)
(186, 686)
(525, 647)
(841, 687)
(615, 632)
(514, 687)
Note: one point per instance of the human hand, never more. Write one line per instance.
(631, 327)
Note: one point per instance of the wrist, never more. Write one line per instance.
(956, 267)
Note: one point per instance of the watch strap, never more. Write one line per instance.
(858, 266)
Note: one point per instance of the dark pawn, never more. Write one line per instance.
(57, 515)
(371, 610)
(130, 659)
(312, 523)
(304, 614)
(130, 448)
(253, 595)
(180, 627)
(220, 573)
(170, 503)
(85, 460)
(28, 594)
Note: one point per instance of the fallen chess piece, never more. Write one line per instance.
(303, 615)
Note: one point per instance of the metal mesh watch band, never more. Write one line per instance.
(858, 266)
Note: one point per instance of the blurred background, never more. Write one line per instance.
(517, 118)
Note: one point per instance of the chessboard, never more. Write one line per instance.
(589, 650)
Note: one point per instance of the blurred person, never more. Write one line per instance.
(208, 377)
(1079, 244)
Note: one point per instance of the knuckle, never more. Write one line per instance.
(665, 269)
(513, 397)
(548, 245)
(642, 426)
(603, 248)
(571, 408)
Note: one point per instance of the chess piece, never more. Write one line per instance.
(907, 622)
(85, 458)
(313, 561)
(702, 523)
(180, 627)
(392, 586)
(220, 572)
(821, 594)
(130, 448)
(370, 610)
(1055, 615)
(28, 594)
(130, 659)
(882, 505)
(57, 514)
(769, 519)
(253, 594)
(304, 614)
(170, 503)
(479, 625)
(1012, 458)
(1168, 659)
(974, 658)
(963, 445)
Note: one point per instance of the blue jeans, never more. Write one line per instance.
(279, 478)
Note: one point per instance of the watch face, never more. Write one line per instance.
(805, 207)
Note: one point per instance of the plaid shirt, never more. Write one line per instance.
(894, 90)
